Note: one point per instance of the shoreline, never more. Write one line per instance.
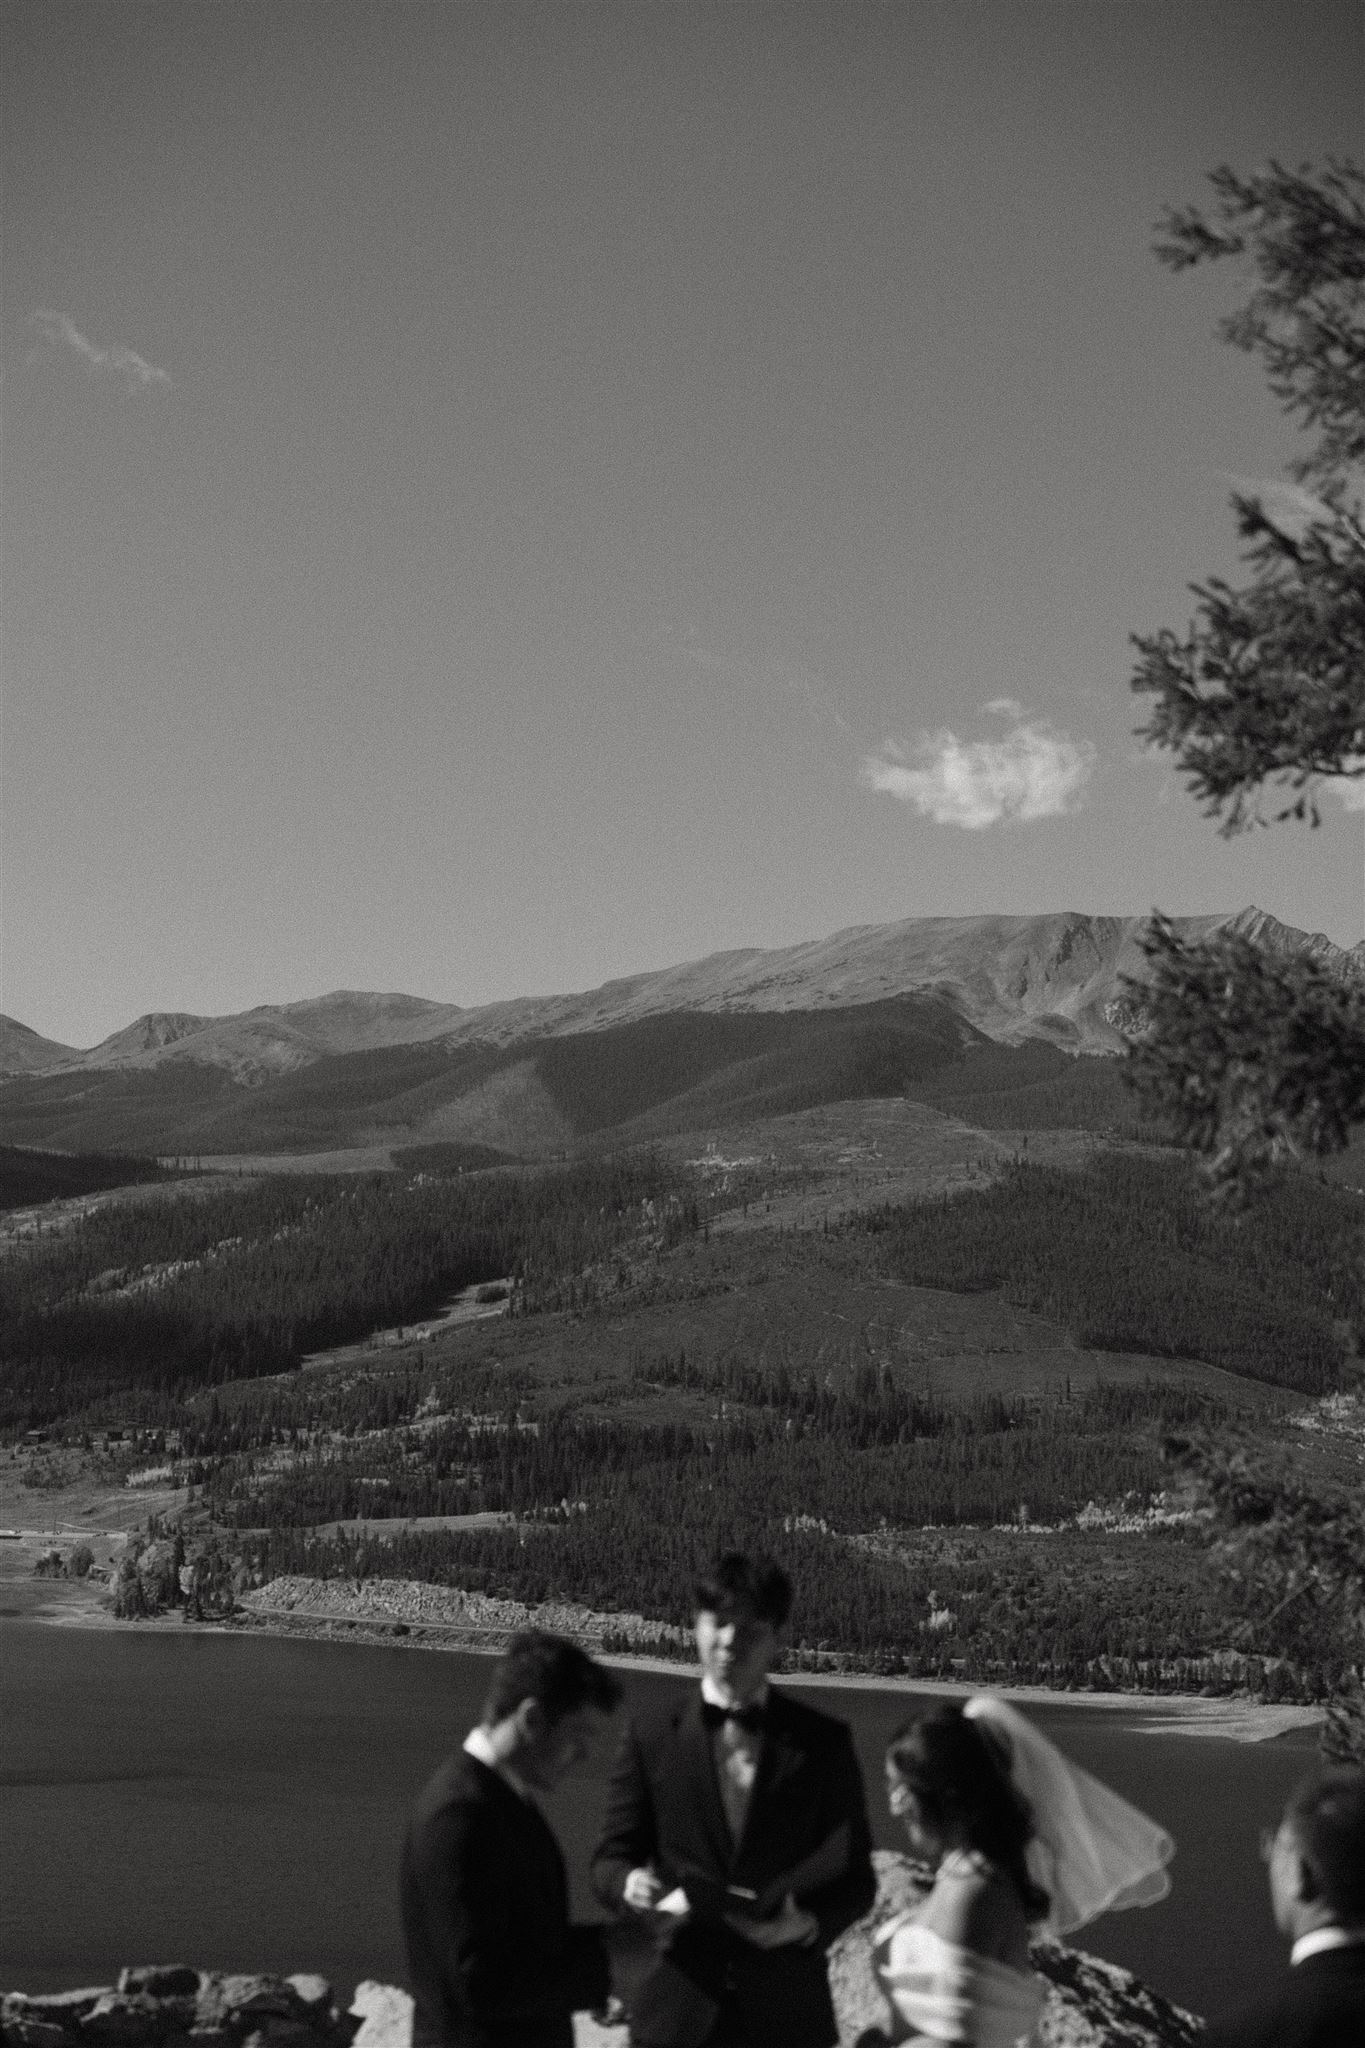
(58, 1605)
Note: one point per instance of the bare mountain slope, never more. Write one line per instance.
(23, 1051)
(1055, 977)
(275, 1038)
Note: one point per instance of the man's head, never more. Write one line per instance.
(740, 1609)
(1317, 1856)
(547, 1706)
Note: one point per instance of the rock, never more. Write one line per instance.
(255, 1998)
(210, 2012)
(160, 1980)
(1090, 2004)
(27, 2033)
(122, 2017)
(385, 2016)
(63, 2007)
(273, 2031)
(313, 1993)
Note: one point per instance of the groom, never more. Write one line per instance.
(737, 1832)
(493, 1959)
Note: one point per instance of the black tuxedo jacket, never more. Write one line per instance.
(492, 1959)
(665, 1808)
(1321, 2004)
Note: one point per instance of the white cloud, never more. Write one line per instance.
(137, 373)
(1033, 772)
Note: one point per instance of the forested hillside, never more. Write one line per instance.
(28, 1178)
(857, 1394)
(1129, 1255)
(175, 1294)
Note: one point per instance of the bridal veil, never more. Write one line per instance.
(1091, 1851)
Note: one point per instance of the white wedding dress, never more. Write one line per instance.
(951, 1994)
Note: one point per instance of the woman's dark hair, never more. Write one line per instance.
(960, 1779)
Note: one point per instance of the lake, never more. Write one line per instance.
(238, 1803)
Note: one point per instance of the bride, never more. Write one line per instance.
(1019, 1841)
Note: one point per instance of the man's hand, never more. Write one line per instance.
(643, 1889)
(792, 1926)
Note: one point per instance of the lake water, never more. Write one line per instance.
(238, 1803)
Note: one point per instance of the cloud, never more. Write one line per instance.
(1033, 772)
(1349, 790)
(137, 373)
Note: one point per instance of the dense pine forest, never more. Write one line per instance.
(235, 1283)
(28, 1177)
(1128, 1255)
(858, 1457)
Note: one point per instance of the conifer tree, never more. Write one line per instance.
(1251, 1057)
(1262, 699)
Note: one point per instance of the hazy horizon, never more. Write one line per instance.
(503, 497)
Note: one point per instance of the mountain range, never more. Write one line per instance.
(874, 1008)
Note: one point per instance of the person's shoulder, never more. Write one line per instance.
(975, 1906)
(461, 1780)
(1307, 2009)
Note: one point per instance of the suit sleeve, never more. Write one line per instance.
(838, 1904)
(470, 1937)
(630, 1830)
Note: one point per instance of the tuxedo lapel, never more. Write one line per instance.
(699, 1773)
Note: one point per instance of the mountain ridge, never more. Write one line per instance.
(1056, 976)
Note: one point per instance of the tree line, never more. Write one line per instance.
(1047, 1610)
(856, 1463)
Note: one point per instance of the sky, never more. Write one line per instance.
(497, 497)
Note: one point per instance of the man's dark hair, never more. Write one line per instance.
(552, 1670)
(1326, 1818)
(755, 1585)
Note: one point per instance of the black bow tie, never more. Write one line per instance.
(751, 1718)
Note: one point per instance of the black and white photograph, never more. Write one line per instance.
(682, 1023)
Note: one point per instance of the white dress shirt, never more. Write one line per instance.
(478, 1745)
(736, 1751)
(1324, 1938)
